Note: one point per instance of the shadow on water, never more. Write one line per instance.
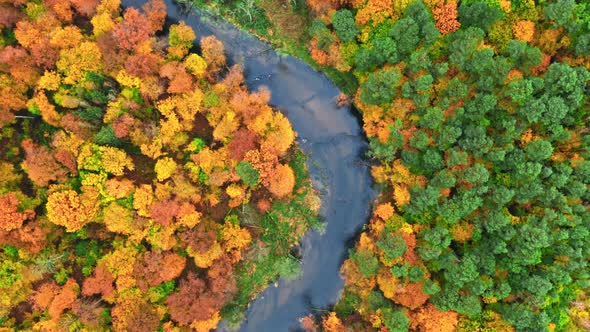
(333, 140)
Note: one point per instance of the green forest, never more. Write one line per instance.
(144, 188)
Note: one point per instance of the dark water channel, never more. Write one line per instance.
(332, 138)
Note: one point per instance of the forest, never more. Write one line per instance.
(144, 188)
(476, 112)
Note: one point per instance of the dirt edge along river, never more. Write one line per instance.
(334, 142)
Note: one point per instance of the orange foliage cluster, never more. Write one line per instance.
(148, 269)
(445, 15)
(524, 30)
(10, 218)
(323, 7)
(430, 319)
(195, 300)
(41, 165)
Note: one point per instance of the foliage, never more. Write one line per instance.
(124, 159)
(475, 112)
(248, 173)
(344, 25)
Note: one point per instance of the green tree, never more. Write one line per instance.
(479, 14)
(248, 173)
(380, 87)
(395, 320)
(344, 25)
(393, 245)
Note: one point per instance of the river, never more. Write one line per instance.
(334, 142)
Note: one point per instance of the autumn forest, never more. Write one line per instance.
(145, 187)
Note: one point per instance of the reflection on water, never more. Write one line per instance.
(333, 140)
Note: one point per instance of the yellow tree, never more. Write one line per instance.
(282, 181)
(281, 134)
(47, 110)
(74, 63)
(524, 30)
(213, 53)
(235, 238)
(114, 160)
(195, 64)
(118, 219)
(180, 39)
(69, 209)
(143, 199)
(164, 168)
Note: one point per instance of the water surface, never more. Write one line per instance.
(333, 140)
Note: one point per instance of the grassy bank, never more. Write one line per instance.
(284, 24)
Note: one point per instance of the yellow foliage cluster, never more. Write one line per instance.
(384, 211)
(164, 168)
(524, 30)
(205, 259)
(234, 237)
(282, 181)
(48, 112)
(237, 194)
(66, 37)
(143, 199)
(281, 135)
(104, 159)
(162, 237)
(104, 20)
(388, 283)
(71, 210)
(206, 325)
(208, 159)
(118, 219)
(377, 11)
(120, 263)
(401, 195)
(128, 80)
(49, 81)
(195, 64)
(332, 323)
(114, 160)
(226, 127)
(75, 62)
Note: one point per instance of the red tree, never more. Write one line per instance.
(9, 15)
(193, 301)
(155, 11)
(10, 218)
(133, 30)
(153, 268)
(165, 211)
(41, 165)
(243, 141)
(100, 283)
(142, 65)
(200, 238)
(86, 7)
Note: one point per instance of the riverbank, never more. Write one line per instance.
(282, 24)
